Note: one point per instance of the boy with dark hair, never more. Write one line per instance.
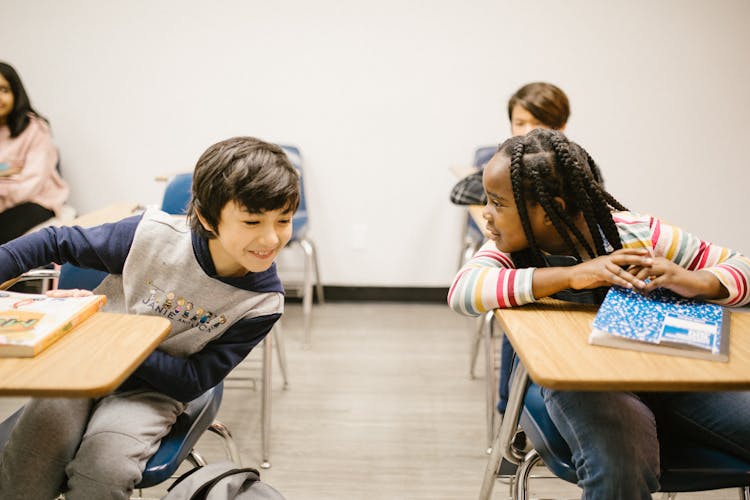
(221, 260)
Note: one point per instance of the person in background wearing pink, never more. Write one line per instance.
(31, 189)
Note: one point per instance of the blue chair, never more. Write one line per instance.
(686, 465)
(177, 194)
(301, 237)
(178, 445)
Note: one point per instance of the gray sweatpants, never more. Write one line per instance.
(93, 449)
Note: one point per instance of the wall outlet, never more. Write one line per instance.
(359, 237)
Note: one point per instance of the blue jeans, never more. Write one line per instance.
(507, 355)
(614, 436)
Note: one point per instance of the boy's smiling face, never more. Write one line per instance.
(248, 242)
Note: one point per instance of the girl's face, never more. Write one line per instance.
(522, 121)
(6, 99)
(501, 212)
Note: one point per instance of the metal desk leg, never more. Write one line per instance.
(278, 336)
(488, 322)
(502, 446)
(265, 419)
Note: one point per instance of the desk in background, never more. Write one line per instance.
(110, 213)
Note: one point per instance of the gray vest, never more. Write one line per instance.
(162, 277)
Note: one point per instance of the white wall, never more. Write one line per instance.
(384, 96)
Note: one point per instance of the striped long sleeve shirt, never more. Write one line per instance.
(490, 281)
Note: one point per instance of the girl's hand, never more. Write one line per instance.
(74, 292)
(663, 273)
(612, 269)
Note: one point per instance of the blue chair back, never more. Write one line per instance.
(177, 194)
(179, 189)
(301, 218)
(76, 277)
(481, 156)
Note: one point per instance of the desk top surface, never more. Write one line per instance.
(110, 213)
(91, 360)
(551, 339)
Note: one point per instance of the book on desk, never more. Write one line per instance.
(662, 322)
(29, 323)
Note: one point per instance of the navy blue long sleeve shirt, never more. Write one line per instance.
(105, 248)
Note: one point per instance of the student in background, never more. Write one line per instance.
(535, 105)
(31, 189)
(221, 259)
(544, 200)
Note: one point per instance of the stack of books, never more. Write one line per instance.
(30, 323)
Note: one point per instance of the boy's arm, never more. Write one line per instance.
(102, 247)
(185, 379)
(490, 281)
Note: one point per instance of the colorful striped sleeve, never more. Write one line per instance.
(731, 268)
(490, 281)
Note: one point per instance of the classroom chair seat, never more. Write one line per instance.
(686, 465)
(176, 446)
(199, 415)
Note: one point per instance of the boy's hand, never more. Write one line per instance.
(663, 273)
(611, 270)
(74, 292)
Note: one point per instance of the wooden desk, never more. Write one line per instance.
(110, 213)
(91, 360)
(551, 339)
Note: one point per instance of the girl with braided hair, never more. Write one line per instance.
(545, 200)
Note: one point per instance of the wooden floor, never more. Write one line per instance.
(379, 407)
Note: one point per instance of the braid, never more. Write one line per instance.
(572, 169)
(545, 165)
(596, 173)
(559, 218)
(534, 255)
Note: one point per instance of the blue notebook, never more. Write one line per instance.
(662, 322)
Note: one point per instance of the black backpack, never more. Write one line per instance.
(221, 481)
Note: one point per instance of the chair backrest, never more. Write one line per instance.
(178, 191)
(76, 277)
(177, 194)
(301, 218)
(483, 154)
